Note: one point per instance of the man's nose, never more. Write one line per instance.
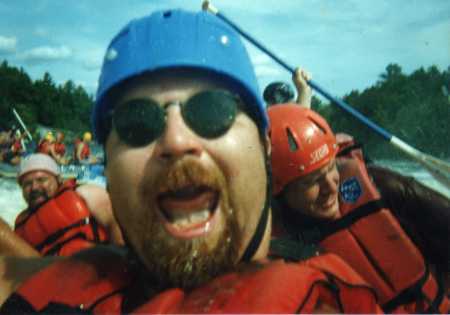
(178, 139)
(35, 185)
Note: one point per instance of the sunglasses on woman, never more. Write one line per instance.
(210, 114)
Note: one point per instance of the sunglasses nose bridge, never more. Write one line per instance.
(177, 138)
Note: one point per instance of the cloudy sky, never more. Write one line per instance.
(345, 44)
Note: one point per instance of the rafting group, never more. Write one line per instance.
(220, 198)
(13, 147)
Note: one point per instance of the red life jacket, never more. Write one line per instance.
(61, 226)
(85, 151)
(44, 147)
(371, 240)
(60, 148)
(276, 287)
(17, 147)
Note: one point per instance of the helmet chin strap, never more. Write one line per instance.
(254, 243)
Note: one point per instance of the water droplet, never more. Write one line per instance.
(111, 54)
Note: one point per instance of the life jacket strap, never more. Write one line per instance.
(414, 293)
(320, 232)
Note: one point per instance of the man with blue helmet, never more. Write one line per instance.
(184, 128)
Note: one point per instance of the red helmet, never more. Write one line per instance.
(302, 142)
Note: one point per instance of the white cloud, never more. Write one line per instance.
(7, 44)
(46, 53)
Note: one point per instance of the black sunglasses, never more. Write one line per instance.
(209, 114)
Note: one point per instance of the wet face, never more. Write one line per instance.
(188, 205)
(316, 194)
(38, 187)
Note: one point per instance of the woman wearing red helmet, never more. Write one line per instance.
(325, 195)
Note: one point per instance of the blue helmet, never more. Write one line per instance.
(177, 39)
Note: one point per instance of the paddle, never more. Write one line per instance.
(437, 168)
(23, 126)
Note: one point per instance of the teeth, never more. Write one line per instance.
(183, 219)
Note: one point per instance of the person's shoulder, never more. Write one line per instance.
(22, 216)
(90, 188)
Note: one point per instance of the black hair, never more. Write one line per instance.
(278, 93)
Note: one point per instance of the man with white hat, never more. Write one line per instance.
(62, 217)
(39, 178)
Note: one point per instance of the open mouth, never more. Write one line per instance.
(189, 211)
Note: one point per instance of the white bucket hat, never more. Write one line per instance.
(38, 162)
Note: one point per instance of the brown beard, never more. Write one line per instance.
(188, 263)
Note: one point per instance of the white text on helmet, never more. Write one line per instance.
(319, 153)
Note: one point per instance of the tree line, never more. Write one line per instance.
(414, 107)
(42, 102)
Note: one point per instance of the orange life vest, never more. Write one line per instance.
(44, 147)
(371, 240)
(277, 287)
(61, 226)
(17, 147)
(60, 148)
(85, 151)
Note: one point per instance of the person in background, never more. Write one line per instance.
(281, 92)
(82, 150)
(184, 128)
(16, 149)
(45, 144)
(58, 149)
(62, 217)
(391, 229)
(6, 141)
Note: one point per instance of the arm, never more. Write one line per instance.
(78, 151)
(304, 92)
(97, 199)
(53, 153)
(12, 244)
(15, 270)
(422, 212)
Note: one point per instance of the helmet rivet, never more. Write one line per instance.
(111, 54)
(224, 39)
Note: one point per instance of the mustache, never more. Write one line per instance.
(188, 172)
(35, 194)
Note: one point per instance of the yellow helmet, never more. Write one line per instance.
(49, 136)
(87, 136)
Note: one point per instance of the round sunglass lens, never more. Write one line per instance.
(210, 114)
(139, 122)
